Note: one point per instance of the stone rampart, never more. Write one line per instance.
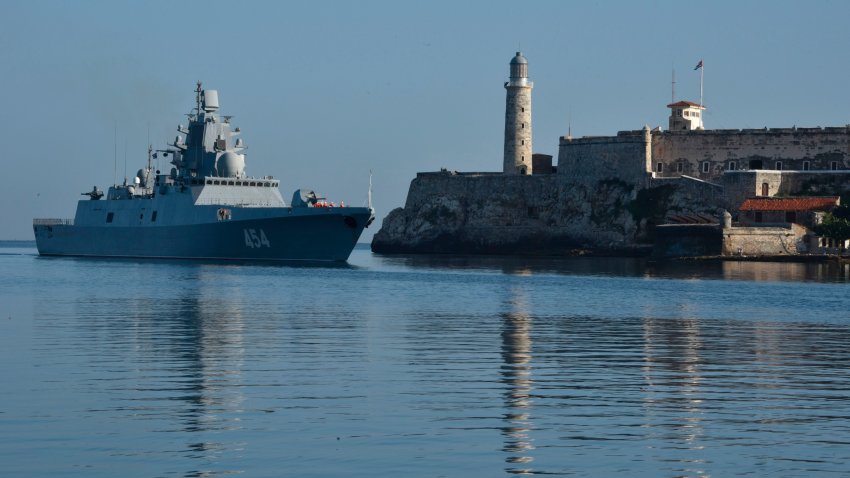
(625, 157)
(707, 154)
(510, 214)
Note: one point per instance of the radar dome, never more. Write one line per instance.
(231, 165)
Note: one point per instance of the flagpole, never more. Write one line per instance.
(673, 87)
(701, 71)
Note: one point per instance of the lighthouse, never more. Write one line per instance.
(518, 118)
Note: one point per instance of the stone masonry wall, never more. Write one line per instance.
(508, 214)
(625, 157)
(684, 152)
(764, 241)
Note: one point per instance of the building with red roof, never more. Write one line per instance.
(806, 211)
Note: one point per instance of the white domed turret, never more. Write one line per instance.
(230, 165)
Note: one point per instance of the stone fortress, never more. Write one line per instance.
(618, 194)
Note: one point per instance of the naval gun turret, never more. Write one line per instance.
(304, 198)
(94, 194)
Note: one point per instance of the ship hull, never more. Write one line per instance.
(304, 237)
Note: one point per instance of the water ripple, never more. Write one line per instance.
(417, 367)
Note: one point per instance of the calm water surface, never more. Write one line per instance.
(422, 367)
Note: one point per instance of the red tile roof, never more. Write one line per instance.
(685, 104)
(821, 203)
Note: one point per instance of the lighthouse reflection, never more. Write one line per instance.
(516, 376)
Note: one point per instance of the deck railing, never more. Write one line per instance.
(52, 222)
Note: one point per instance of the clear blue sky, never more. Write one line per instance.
(326, 91)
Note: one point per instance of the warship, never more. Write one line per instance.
(206, 207)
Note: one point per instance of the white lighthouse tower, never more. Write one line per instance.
(518, 119)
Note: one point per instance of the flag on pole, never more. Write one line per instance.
(699, 65)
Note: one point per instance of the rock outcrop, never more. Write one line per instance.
(490, 213)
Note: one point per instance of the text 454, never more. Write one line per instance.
(256, 238)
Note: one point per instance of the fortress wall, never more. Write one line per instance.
(625, 157)
(472, 212)
(764, 241)
(473, 187)
(691, 196)
(791, 146)
(450, 212)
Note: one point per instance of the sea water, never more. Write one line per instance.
(422, 366)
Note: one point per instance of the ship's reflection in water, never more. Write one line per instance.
(427, 367)
(192, 349)
(517, 378)
(212, 356)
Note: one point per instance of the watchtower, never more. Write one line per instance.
(518, 118)
(685, 116)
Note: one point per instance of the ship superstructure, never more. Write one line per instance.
(205, 207)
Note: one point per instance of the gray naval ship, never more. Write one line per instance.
(205, 208)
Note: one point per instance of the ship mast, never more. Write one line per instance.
(370, 190)
(198, 92)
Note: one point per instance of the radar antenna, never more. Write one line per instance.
(198, 92)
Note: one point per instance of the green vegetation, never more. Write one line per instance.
(817, 187)
(836, 225)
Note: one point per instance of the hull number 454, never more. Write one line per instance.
(256, 238)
